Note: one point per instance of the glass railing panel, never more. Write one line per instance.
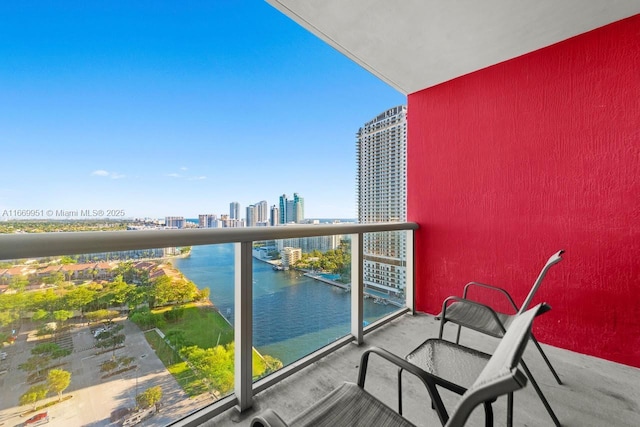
(102, 338)
(301, 297)
(384, 274)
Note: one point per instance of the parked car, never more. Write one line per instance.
(36, 420)
(3, 355)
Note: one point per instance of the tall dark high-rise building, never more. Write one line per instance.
(275, 215)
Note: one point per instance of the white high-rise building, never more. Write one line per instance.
(234, 210)
(174, 222)
(207, 221)
(381, 151)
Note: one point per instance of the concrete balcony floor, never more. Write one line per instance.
(595, 392)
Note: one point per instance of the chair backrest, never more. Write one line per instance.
(554, 259)
(501, 375)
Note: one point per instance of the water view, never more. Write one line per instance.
(316, 313)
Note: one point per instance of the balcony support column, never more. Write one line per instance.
(357, 288)
(243, 328)
(410, 285)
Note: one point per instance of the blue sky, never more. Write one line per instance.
(176, 108)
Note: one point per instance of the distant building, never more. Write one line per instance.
(291, 210)
(381, 151)
(226, 222)
(275, 215)
(208, 221)
(234, 210)
(174, 222)
(290, 256)
(310, 244)
(252, 216)
(262, 209)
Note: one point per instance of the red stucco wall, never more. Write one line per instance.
(509, 164)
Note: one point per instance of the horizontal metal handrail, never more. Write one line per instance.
(28, 245)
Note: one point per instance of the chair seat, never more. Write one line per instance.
(350, 405)
(456, 367)
(478, 317)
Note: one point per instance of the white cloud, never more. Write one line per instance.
(112, 175)
(197, 178)
(183, 168)
(174, 175)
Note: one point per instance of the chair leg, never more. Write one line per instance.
(546, 359)
(488, 414)
(510, 410)
(540, 394)
(442, 322)
(400, 391)
(458, 334)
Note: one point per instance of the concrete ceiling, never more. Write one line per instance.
(415, 44)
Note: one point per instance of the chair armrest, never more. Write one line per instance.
(427, 379)
(268, 418)
(490, 287)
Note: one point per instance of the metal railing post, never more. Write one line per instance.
(243, 331)
(410, 285)
(357, 288)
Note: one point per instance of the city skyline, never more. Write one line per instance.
(157, 110)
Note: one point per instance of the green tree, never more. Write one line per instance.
(41, 315)
(52, 350)
(102, 315)
(272, 363)
(79, 298)
(35, 363)
(149, 397)
(58, 380)
(34, 395)
(108, 365)
(55, 278)
(111, 342)
(215, 364)
(61, 316)
(203, 294)
(18, 283)
(65, 260)
(163, 291)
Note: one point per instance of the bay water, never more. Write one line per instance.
(293, 315)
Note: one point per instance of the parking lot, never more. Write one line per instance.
(93, 398)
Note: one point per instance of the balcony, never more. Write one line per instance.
(595, 391)
(150, 357)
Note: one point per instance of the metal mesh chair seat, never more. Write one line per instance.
(350, 405)
(479, 317)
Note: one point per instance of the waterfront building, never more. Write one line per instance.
(291, 211)
(262, 209)
(275, 215)
(290, 256)
(207, 221)
(234, 210)
(174, 222)
(126, 255)
(310, 244)
(381, 149)
(226, 222)
(252, 216)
